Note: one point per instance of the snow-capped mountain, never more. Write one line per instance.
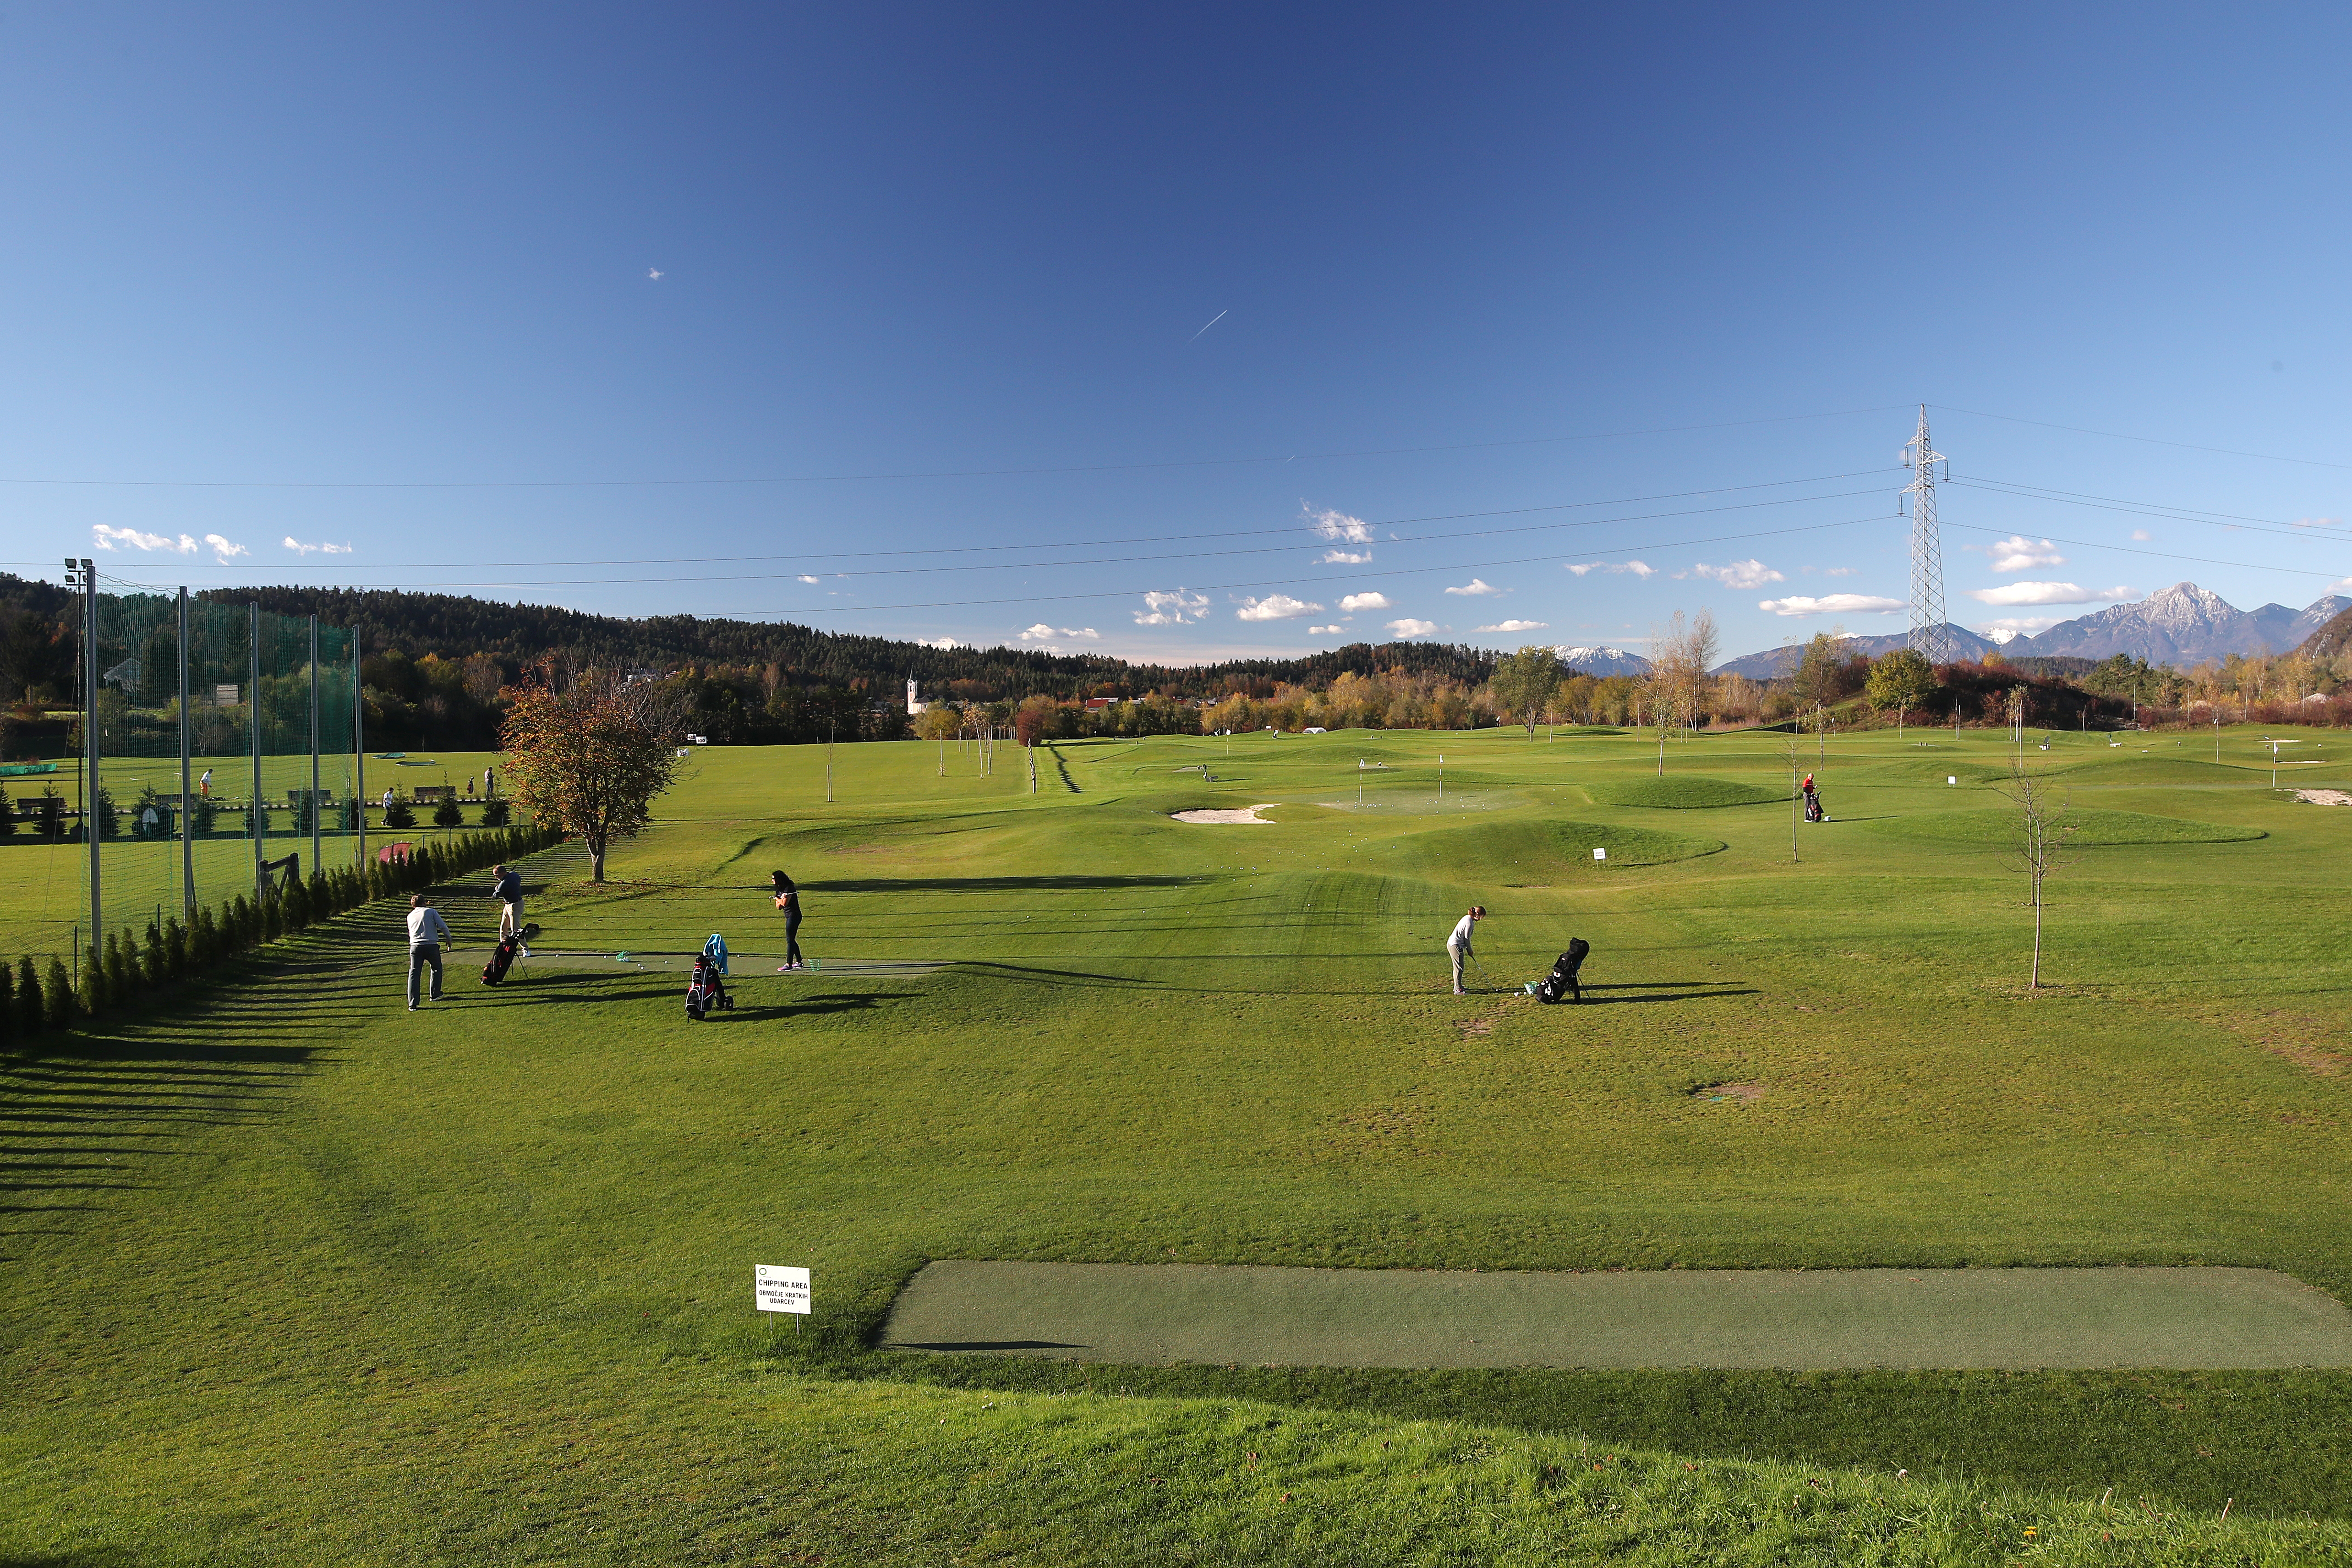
(2180, 625)
(1774, 663)
(1603, 661)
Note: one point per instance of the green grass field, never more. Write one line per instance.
(292, 1275)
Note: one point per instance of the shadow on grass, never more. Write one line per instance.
(83, 1111)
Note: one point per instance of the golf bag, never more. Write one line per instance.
(1560, 986)
(1813, 812)
(707, 993)
(502, 958)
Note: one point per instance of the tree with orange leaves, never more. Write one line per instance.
(588, 750)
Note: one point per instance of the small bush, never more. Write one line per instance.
(398, 814)
(238, 931)
(57, 996)
(496, 813)
(204, 939)
(155, 965)
(175, 948)
(8, 1005)
(30, 1012)
(447, 813)
(91, 995)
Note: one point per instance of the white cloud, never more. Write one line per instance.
(1037, 634)
(1346, 557)
(224, 551)
(1477, 587)
(104, 537)
(299, 548)
(1832, 604)
(2046, 594)
(2010, 626)
(2018, 553)
(1355, 601)
(939, 643)
(1041, 632)
(1275, 607)
(1409, 628)
(1331, 525)
(1638, 568)
(1323, 631)
(2299, 522)
(1840, 571)
(1177, 609)
(806, 578)
(1739, 574)
(1516, 626)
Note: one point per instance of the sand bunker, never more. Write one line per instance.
(2324, 796)
(1249, 814)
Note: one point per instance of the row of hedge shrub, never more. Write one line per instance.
(33, 999)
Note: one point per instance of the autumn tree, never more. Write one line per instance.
(587, 750)
(1903, 680)
(1525, 681)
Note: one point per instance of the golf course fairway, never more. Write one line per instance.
(288, 1274)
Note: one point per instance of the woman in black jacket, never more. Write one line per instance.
(788, 899)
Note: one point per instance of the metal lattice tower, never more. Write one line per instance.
(1928, 636)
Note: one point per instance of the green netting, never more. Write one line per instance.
(270, 780)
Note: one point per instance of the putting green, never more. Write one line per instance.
(1798, 1318)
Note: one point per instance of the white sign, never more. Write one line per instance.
(1951, 779)
(1600, 854)
(777, 1290)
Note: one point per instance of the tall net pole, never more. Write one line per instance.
(187, 801)
(1928, 621)
(86, 581)
(315, 863)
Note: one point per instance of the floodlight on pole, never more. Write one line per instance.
(1928, 632)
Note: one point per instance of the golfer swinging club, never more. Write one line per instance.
(1457, 946)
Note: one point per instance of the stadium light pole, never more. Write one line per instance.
(86, 580)
(188, 839)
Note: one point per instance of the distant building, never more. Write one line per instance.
(913, 707)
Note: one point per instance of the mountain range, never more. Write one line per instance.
(1603, 661)
(2180, 625)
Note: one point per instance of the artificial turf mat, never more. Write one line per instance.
(1788, 1318)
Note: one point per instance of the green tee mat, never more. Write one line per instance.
(1793, 1319)
(741, 964)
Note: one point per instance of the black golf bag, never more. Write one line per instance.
(502, 958)
(1560, 986)
(707, 993)
(1813, 812)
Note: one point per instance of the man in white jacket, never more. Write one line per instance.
(427, 932)
(1457, 946)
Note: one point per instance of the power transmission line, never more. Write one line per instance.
(931, 473)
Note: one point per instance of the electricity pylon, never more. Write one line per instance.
(1929, 622)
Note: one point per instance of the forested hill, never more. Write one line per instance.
(454, 627)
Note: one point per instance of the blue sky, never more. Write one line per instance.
(925, 356)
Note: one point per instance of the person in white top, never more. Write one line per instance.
(1457, 946)
(427, 932)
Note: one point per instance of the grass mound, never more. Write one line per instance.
(2093, 830)
(1680, 794)
(1930, 768)
(1628, 846)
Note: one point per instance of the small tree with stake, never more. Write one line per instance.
(2037, 845)
(587, 751)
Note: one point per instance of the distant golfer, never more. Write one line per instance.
(205, 785)
(788, 899)
(1457, 946)
(427, 932)
(507, 888)
(387, 797)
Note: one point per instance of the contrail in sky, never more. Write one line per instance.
(1213, 322)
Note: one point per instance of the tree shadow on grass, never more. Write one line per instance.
(93, 1112)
